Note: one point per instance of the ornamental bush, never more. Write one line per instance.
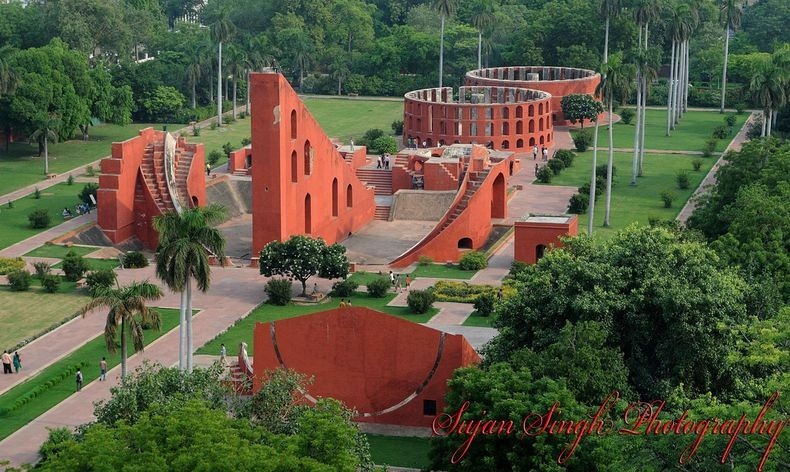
(556, 166)
(19, 280)
(682, 178)
(627, 115)
(99, 279)
(279, 291)
(473, 260)
(344, 288)
(8, 264)
(578, 203)
(74, 266)
(50, 282)
(134, 260)
(378, 287)
(720, 132)
(420, 301)
(42, 268)
(582, 140)
(464, 292)
(544, 175)
(38, 218)
(566, 156)
(696, 164)
(667, 197)
(485, 304)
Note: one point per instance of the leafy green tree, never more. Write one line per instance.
(186, 240)
(163, 103)
(730, 17)
(8, 77)
(580, 107)
(128, 307)
(768, 90)
(302, 257)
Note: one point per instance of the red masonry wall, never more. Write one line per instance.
(530, 234)
(369, 360)
(300, 181)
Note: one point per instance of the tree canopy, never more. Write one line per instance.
(302, 257)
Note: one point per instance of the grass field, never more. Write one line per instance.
(58, 251)
(14, 225)
(90, 354)
(242, 330)
(690, 134)
(635, 203)
(399, 451)
(479, 321)
(346, 119)
(214, 139)
(442, 271)
(25, 314)
(21, 161)
(95, 264)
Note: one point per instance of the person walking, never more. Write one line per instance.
(535, 152)
(17, 362)
(223, 352)
(545, 153)
(408, 282)
(392, 278)
(397, 283)
(208, 169)
(103, 367)
(7, 363)
(386, 162)
(379, 161)
(352, 143)
(78, 377)
(537, 168)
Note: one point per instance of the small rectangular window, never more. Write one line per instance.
(429, 407)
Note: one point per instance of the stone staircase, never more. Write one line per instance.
(381, 181)
(382, 213)
(153, 170)
(475, 181)
(238, 380)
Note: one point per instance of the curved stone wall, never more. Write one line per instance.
(557, 81)
(504, 117)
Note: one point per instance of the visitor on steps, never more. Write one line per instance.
(223, 352)
(379, 161)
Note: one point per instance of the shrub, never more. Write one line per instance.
(556, 166)
(473, 260)
(755, 128)
(10, 204)
(544, 175)
(213, 125)
(566, 156)
(578, 203)
(682, 178)
(195, 130)
(720, 132)
(582, 139)
(37, 194)
(485, 304)
(99, 279)
(696, 164)
(90, 171)
(38, 218)
(600, 171)
(279, 291)
(397, 127)
(74, 266)
(420, 301)
(424, 261)
(730, 120)
(464, 292)
(214, 157)
(19, 280)
(70, 180)
(667, 197)
(710, 146)
(245, 141)
(516, 268)
(384, 144)
(8, 264)
(378, 287)
(135, 260)
(344, 288)
(370, 136)
(56, 441)
(227, 148)
(740, 107)
(50, 283)
(627, 115)
(88, 190)
(42, 269)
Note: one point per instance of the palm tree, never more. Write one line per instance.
(594, 178)
(445, 8)
(8, 77)
(222, 30)
(730, 17)
(300, 49)
(185, 242)
(237, 61)
(615, 85)
(675, 30)
(482, 18)
(44, 133)
(768, 87)
(256, 59)
(128, 308)
(608, 9)
(340, 71)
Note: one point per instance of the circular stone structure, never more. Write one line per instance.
(503, 117)
(557, 81)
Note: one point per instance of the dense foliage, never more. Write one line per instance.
(302, 257)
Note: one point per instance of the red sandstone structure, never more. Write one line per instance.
(505, 116)
(390, 370)
(535, 234)
(557, 81)
(302, 184)
(146, 176)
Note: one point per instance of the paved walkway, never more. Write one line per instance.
(710, 179)
(23, 247)
(498, 265)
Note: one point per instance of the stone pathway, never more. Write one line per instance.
(23, 247)
(498, 265)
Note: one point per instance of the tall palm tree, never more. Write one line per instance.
(8, 77)
(445, 8)
(129, 310)
(236, 62)
(675, 28)
(221, 30)
(594, 178)
(608, 9)
(645, 11)
(300, 48)
(185, 242)
(256, 59)
(730, 17)
(768, 87)
(482, 18)
(46, 131)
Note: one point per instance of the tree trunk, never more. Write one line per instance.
(724, 70)
(219, 86)
(669, 89)
(247, 110)
(188, 314)
(642, 131)
(593, 181)
(123, 350)
(609, 171)
(479, 48)
(637, 128)
(676, 88)
(46, 154)
(234, 98)
(441, 53)
(182, 331)
(606, 39)
(194, 93)
(304, 287)
(686, 80)
(211, 91)
(339, 86)
(765, 117)
(770, 117)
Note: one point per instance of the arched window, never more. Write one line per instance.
(520, 143)
(519, 112)
(334, 197)
(505, 128)
(308, 158)
(308, 210)
(531, 126)
(532, 141)
(540, 109)
(542, 141)
(540, 124)
(349, 196)
(293, 124)
(532, 110)
(505, 144)
(294, 170)
(465, 243)
(505, 112)
(519, 127)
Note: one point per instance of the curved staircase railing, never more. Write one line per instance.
(170, 172)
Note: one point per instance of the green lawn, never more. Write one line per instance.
(242, 330)
(364, 278)
(20, 165)
(690, 134)
(346, 119)
(442, 271)
(58, 251)
(214, 139)
(20, 321)
(479, 321)
(90, 354)
(95, 264)
(14, 225)
(399, 451)
(635, 203)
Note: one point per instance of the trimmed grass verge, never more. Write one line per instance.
(14, 225)
(399, 451)
(442, 271)
(479, 321)
(59, 251)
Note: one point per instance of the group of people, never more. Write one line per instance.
(81, 209)
(383, 161)
(395, 280)
(414, 143)
(543, 151)
(9, 360)
(345, 303)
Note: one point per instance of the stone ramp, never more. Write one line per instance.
(380, 242)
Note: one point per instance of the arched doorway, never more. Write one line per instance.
(511, 167)
(499, 197)
(349, 196)
(334, 197)
(540, 250)
(465, 243)
(308, 210)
